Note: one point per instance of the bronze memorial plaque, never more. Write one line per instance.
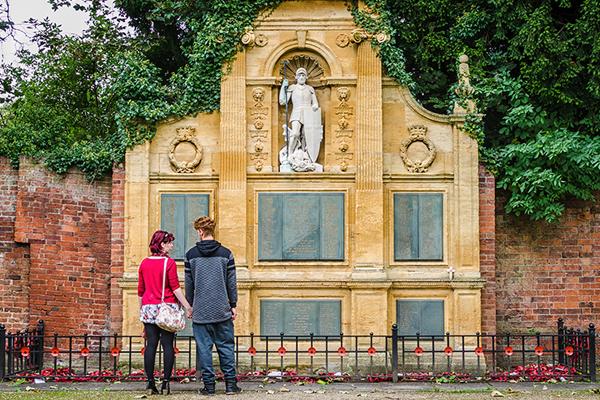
(300, 317)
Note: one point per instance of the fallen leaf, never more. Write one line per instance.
(496, 393)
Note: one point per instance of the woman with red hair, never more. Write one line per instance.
(150, 287)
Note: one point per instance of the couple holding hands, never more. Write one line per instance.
(210, 301)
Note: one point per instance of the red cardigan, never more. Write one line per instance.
(151, 278)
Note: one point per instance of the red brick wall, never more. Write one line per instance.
(67, 223)
(487, 249)
(14, 258)
(546, 271)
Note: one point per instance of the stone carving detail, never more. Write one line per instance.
(185, 134)
(259, 112)
(313, 68)
(342, 40)
(343, 131)
(358, 35)
(258, 135)
(249, 38)
(417, 133)
(464, 89)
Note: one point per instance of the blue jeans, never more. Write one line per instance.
(221, 335)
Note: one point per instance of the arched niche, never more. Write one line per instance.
(319, 70)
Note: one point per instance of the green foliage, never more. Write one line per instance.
(62, 109)
(535, 68)
(82, 101)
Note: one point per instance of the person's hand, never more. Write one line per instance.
(315, 107)
(233, 313)
(189, 311)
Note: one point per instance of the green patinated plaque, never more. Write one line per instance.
(418, 226)
(300, 317)
(423, 316)
(178, 212)
(300, 226)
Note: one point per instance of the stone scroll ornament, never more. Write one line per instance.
(185, 134)
(250, 38)
(417, 133)
(359, 35)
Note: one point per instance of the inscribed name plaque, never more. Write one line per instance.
(423, 316)
(418, 226)
(300, 226)
(300, 317)
(177, 215)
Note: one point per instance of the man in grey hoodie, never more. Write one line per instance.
(211, 289)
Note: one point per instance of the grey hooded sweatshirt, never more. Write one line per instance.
(210, 282)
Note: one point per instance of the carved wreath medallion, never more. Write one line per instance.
(418, 133)
(185, 134)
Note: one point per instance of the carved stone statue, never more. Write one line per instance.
(303, 130)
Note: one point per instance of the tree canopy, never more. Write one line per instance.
(83, 100)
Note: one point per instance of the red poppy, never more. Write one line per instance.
(479, 350)
(312, 351)
(569, 350)
(142, 350)
(55, 352)
(508, 351)
(448, 351)
(418, 351)
(25, 352)
(115, 351)
(342, 351)
(281, 351)
(539, 351)
(176, 350)
(85, 352)
(252, 351)
(372, 351)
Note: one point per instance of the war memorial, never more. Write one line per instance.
(348, 206)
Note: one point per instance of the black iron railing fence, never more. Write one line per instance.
(568, 354)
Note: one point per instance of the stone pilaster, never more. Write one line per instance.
(369, 224)
(137, 193)
(231, 201)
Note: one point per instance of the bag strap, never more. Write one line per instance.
(162, 298)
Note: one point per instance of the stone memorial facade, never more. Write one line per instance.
(375, 222)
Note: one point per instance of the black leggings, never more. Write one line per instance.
(153, 334)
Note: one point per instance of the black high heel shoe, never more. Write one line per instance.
(151, 388)
(165, 388)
